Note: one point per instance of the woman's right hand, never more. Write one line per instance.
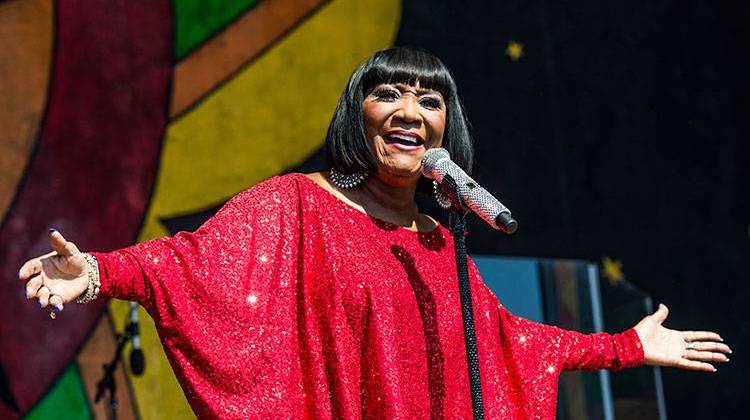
(58, 277)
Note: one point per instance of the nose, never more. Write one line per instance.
(409, 109)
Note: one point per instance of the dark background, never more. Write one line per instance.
(620, 132)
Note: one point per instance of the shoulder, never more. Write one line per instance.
(281, 191)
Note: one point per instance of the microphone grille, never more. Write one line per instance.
(431, 158)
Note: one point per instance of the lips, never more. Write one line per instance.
(404, 140)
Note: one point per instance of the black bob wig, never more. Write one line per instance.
(346, 143)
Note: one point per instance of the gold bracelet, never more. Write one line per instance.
(92, 291)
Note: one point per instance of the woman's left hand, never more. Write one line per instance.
(692, 350)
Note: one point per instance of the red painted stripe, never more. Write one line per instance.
(92, 173)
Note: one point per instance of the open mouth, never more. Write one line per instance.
(406, 141)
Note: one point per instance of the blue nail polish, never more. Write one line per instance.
(50, 230)
(26, 295)
(55, 309)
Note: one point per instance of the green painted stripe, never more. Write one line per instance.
(197, 20)
(66, 399)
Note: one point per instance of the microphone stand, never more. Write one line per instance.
(458, 228)
(107, 383)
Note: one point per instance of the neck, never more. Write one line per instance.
(396, 202)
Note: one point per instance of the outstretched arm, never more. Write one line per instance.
(649, 342)
(692, 350)
(231, 251)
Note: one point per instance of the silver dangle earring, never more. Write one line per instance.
(346, 182)
(441, 199)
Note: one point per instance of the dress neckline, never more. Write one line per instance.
(380, 223)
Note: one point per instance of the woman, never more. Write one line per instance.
(330, 295)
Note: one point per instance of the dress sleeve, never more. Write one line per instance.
(573, 350)
(223, 300)
(565, 349)
(221, 255)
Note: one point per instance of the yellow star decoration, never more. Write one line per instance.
(514, 50)
(612, 270)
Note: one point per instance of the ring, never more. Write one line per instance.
(54, 312)
(689, 347)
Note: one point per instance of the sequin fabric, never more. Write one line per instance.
(289, 303)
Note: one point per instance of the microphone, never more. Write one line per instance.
(437, 165)
(137, 363)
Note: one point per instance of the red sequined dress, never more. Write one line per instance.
(290, 303)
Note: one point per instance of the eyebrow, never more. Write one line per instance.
(404, 86)
(420, 91)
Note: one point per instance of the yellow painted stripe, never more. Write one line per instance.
(269, 117)
(205, 68)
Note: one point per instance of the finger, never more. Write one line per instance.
(43, 295)
(59, 244)
(661, 313)
(701, 336)
(56, 302)
(32, 267)
(57, 306)
(696, 365)
(705, 356)
(710, 346)
(32, 287)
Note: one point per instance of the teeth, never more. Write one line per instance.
(405, 138)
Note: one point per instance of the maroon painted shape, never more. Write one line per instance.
(92, 173)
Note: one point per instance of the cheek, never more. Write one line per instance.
(369, 122)
(374, 116)
(438, 129)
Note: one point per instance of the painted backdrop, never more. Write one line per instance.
(118, 116)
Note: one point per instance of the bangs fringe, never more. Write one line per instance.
(399, 65)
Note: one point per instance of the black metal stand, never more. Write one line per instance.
(107, 383)
(458, 228)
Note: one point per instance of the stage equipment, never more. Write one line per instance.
(437, 165)
(107, 383)
(137, 363)
(466, 195)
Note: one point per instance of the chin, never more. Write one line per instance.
(400, 175)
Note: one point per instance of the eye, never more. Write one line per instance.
(385, 94)
(431, 103)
